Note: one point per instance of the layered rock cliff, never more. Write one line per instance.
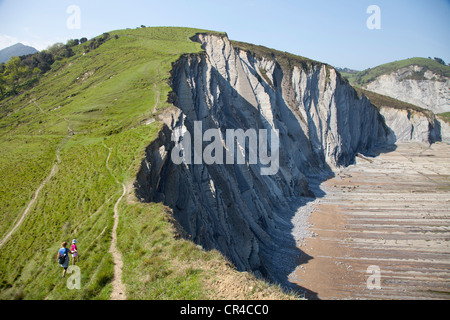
(406, 122)
(322, 124)
(409, 125)
(445, 129)
(417, 85)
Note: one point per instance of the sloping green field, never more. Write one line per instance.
(445, 116)
(88, 107)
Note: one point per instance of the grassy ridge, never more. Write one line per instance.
(105, 95)
(87, 107)
(285, 59)
(363, 77)
(445, 116)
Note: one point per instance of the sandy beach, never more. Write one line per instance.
(391, 212)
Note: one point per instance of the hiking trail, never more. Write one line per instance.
(32, 201)
(38, 190)
(118, 287)
(157, 98)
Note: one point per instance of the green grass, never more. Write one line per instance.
(445, 117)
(21, 175)
(364, 77)
(158, 264)
(107, 95)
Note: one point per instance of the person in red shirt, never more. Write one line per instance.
(74, 251)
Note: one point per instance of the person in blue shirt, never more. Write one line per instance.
(63, 253)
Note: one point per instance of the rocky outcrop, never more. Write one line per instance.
(417, 85)
(409, 125)
(321, 125)
(445, 130)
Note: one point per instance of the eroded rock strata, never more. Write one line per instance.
(322, 125)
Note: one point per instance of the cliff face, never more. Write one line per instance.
(408, 125)
(445, 130)
(321, 125)
(415, 85)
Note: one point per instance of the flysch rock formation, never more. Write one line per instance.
(247, 216)
(409, 125)
(445, 131)
(432, 92)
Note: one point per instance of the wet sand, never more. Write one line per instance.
(391, 211)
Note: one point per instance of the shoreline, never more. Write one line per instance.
(390, 211)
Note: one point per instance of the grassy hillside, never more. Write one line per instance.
(445, 117)
(89, 108)
(363, 77)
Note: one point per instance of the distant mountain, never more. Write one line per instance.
(419, 81)
(16, 50)
(347, 70)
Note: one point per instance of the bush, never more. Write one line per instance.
(95, 43)
(439, 60)
(73, 42)
(22, 73)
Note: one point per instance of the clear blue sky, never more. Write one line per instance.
(331, 31)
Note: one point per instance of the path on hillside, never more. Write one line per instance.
(32, 201)
(71, 132)
(391, 212)
(42, 184)
(118, 287)
(157, 98)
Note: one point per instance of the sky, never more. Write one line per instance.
(331, 31)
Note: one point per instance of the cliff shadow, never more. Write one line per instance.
(249, 218)
(281, 255)
(436, 131)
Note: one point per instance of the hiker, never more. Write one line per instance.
(63, 257)
(74, 251)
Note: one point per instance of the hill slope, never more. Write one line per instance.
(16, 50)
(68, 145)
(406, 122)
(419, 81)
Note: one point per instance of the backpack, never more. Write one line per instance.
(62, 258)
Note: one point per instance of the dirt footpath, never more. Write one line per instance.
(391, 212)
